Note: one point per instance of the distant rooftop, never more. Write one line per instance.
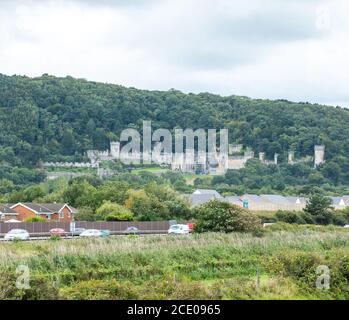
(207, 192)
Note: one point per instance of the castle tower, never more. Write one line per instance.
(319, 155)
(290, 157)
(276, 156)
(115, 150)
(235, 148)
(261, 156)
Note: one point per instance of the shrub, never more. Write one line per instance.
(339, 219)
(40, 288)
(218, 216)
(35, 219)
(113, 212)
(99, 290)
(119, 217)
(168, 289)
(307, 217)
(55, 238)
(296, 264)
(289, 217)
(267, 219)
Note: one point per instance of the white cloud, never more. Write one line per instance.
(295, 50)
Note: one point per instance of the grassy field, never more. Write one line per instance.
(208, 266)
(154, 170)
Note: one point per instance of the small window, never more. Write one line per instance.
(61, 215)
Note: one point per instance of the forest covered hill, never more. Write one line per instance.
(58, 119)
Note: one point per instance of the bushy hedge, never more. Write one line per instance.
(35, 219)
(218, 216)
(338, 218)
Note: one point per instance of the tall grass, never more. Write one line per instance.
(203, 260)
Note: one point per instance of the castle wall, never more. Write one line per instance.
(189, 161)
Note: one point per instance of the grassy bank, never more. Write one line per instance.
(209, 266)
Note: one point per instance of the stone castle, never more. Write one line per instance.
(190, 161)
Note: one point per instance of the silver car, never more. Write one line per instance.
(91, 233)
(77, 231)
(17, 234)
(179, 229)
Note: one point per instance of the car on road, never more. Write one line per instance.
(191, 226)
(131, 230)
(105, 233)
(90, 233)
(179, 229)
(17, 234)
(58, 232)
(77, 231)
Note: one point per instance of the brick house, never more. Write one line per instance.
(50, 211)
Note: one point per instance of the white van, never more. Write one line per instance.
(179, 229)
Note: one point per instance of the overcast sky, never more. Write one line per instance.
(291, 49)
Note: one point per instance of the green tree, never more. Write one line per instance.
(6, 186)
(80, 194)
(113, 212)
(85, 214)
(218, 216)
(319, 207)
(146, 207)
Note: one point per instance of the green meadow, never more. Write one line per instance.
(280, 263)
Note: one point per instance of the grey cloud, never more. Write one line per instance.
(189, 45)
(117, 3)
(217, 39)
(268, 28)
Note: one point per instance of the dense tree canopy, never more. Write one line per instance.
(53, 119)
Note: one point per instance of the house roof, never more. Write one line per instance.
(202, 196)
(252, 197)
(276, 199)
(4, 209)
(45, 208)
(338, 201)
(233, 199)
(57, 207)
(207, 192)
(198, 199)
(296, 200)
(346, 199)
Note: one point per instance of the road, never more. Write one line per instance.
(77, 237)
